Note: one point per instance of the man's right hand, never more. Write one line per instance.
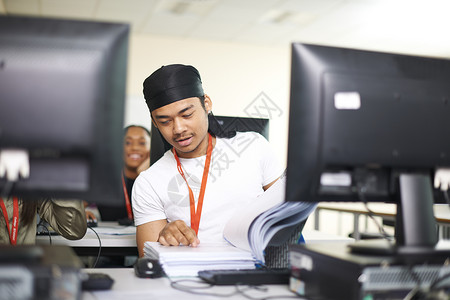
(178, 233)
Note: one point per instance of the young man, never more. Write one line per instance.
(189, 194)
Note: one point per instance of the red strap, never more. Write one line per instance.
(15, 222)
(127, 199)
(196, 215)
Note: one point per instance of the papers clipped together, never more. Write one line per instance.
(185, 261)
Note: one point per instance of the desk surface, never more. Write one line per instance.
(110, 233)
(315, 236)
(114, 240)
(441, 211)
(128, 286)
(116, 236)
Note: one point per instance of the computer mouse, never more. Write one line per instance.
(148, 268)
(91, 223)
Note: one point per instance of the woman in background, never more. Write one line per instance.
(136, 158)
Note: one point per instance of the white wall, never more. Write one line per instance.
(239, 78)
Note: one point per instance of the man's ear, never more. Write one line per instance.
(208, 104)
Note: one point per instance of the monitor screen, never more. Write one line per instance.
(62, 91)
(370, 126)
(227, 123)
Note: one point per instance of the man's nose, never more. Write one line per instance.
(179, 126)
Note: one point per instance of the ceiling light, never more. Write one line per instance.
(186, 7)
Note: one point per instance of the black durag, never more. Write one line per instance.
(176, 82)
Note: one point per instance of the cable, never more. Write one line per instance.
(411, 295)
(435, 283)
(202, 285)
(99, 246)
(41, 224)
(446, 196)
(371, 214)
(361, 190)
(243, 290)
(263, 289)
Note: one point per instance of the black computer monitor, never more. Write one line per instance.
(227, 123)
(62, 91)
(370, 126)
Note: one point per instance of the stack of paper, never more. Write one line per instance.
(274, 226)
(266, 221)
(187, 261)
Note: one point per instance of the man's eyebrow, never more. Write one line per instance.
(180, 112)
(161, 117)
(186, 109)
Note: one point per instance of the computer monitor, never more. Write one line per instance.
(370, 126)
(227, 123)
(62, 91)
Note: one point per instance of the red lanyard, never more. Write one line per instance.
(15, 221)
(195, 215)
(127, 199)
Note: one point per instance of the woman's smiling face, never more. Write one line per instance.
(136, 147)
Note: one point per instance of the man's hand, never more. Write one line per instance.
(178, 233)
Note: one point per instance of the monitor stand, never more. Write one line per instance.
(415, 228)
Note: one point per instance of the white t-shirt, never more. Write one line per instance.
(240, 167)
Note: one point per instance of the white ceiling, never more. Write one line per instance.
(408, 26)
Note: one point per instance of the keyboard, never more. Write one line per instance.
(246, 276)
(46, 232)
